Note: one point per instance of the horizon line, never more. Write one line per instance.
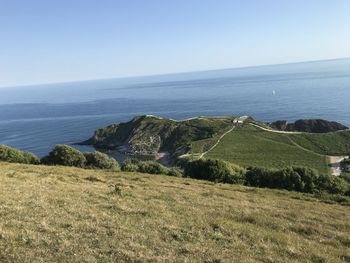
(170, 73)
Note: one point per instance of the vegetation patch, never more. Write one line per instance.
(215, 170)
(251, 146)
(334, 143)
(300, 179)
(101, 161)
(66, 156)
(150, 167)
(8, 154)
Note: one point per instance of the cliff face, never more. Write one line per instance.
(149, 135)
(311, 125)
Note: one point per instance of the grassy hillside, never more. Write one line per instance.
(336, 143)
(57, 214)
(251, 146)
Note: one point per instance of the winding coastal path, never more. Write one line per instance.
(235, 122)
(275, 131)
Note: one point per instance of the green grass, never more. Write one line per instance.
(251, 146)
(200, 146)
(336, 143)
(199, 129)
(58, 214)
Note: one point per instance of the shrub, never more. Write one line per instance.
(152, 167)
(101, 161)
(333, 184)
(346, 165)
(259, 177)
(130, 165)
(214, 170)
(345, 177)
(66, 156)
(309, 177)
(299, 179)
(236, 176)
(183, 161)
(9, 154)
(174, 171)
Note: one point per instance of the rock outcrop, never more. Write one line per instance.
(310, 125)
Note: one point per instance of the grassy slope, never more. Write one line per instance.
(55, 214)
(250, 146)
(197, 129)
(200, 146)
(336, 143)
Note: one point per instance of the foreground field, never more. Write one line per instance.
(56, 214)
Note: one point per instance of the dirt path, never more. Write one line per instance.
(219, 140)
(275, 131)
(235, 122)
(302, 148)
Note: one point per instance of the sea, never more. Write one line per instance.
(38, 117)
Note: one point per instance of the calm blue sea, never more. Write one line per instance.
(35, 118)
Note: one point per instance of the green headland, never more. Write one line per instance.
(240, 140)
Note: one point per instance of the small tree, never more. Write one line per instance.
(215, 170)
(130, 165)
(12, 155)
(101, 161)
(151, 167)
(66, 156)
(332, 184)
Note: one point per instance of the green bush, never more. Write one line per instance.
(183, 161)
(346, 165)
(66, 156)
(236, 176)
(299, 179)
(152, 167)
(174, 171)
(130, 165)
(9, 154)
(345, 177)
(101, 161)
(333, 184)
(308, 177)
(214, 170)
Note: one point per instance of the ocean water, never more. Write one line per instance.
(35, 118)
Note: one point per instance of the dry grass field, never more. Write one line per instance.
(57, 214)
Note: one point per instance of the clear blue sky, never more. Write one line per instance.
(45, 41)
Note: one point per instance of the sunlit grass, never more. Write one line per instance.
(57, 214)
(250, 146)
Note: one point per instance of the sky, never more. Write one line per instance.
(68, 40)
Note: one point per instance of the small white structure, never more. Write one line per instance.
(240, 120)
(237, 121)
